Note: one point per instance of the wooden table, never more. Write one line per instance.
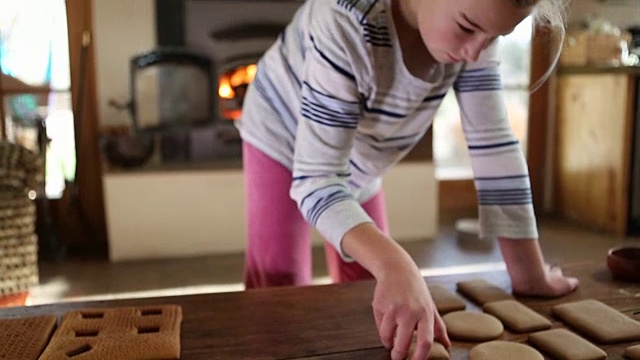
(330, 322)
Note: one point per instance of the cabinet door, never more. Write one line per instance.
(594, 130)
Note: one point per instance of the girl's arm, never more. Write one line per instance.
(502, 179)
(401, 302)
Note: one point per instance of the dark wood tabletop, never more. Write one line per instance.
(332, 322)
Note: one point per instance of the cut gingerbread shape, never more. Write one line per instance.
(632, 352)
(516, 316)
(445, 300)
(482, 292)
(562, 344)
(25, 338)
(504, 350)
(598, 321)
(141, 333)
(472, 326)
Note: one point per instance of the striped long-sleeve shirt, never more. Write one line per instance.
(333, 102)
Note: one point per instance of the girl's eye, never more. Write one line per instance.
(466, 29)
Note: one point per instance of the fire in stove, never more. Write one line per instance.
(232, 88)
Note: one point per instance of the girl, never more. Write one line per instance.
(346, 91)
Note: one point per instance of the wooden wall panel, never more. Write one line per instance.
(593, 149)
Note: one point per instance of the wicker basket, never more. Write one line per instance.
(20, 173)
(18, 264)
(18, 244)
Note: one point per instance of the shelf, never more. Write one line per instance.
(593, 69)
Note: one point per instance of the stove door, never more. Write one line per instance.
(171, 89)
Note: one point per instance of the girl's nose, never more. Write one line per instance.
(472, 50)
(471, 54)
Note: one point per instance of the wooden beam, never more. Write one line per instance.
(90, 227)
(3, 130)
(538, 123)
(35, 91)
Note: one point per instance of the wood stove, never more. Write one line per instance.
(233, 34)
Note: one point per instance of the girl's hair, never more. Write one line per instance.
(549, 14)
(546, 12)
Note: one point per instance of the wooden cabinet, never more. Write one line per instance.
(594, 131)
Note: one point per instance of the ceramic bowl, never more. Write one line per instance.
(624, 262)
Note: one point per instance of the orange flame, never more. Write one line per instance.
(225, 90)
(240, 76)
(229, 89)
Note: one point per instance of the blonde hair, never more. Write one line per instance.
(548, 14)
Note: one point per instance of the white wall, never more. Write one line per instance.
(195, 213)
(122, 29)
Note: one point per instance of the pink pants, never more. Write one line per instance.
(279, 239)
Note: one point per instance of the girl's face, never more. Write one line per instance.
(458, 30)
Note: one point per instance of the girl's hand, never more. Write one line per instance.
(401, 305)
(552, 283)
(530, 275)
(401, 300)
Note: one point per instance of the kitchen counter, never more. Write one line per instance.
(335, 321)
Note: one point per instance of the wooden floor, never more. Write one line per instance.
(447, 253)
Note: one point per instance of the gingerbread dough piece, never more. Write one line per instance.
(562, 344)
(517, 316)
(438, 351)
(148, 332)
(25, 338)
(472, 326)
(633, 352)
(482, 292)
(598, 321)
(445, 300)
(504, 350)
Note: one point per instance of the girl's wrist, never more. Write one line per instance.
(524, 260)
(375, 251)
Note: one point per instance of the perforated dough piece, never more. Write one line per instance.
(562, 344)
(142, 333)
(517, 316)
(598, 321)
(504, 350)
(472, 326)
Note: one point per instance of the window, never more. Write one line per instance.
(449, 146)
(35, 94)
